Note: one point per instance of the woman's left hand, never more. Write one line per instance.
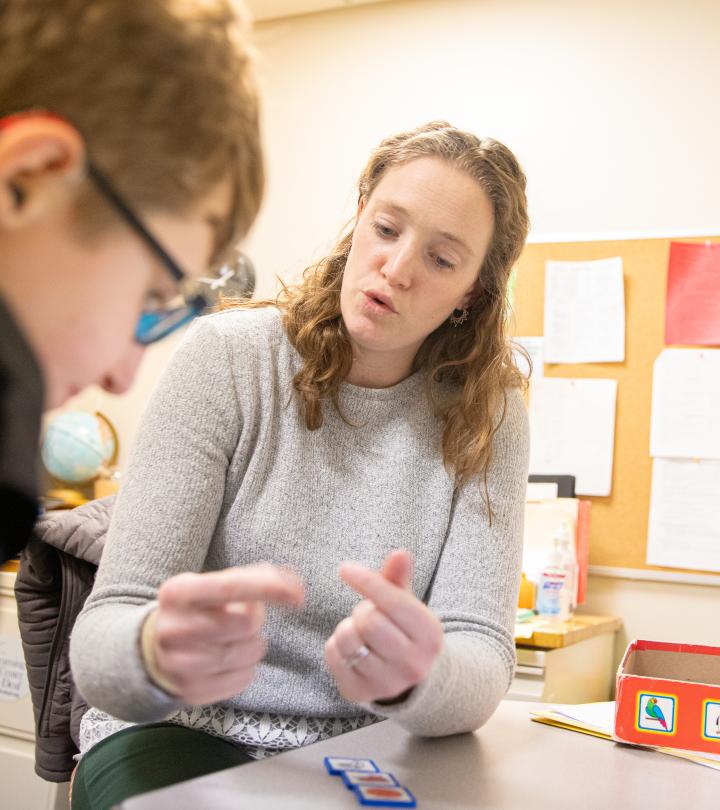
(389, 642)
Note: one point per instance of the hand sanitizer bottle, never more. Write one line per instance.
(553, 595)
(568, 560)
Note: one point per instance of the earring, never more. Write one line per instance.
(459, 316)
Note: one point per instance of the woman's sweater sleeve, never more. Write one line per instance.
(162, 523)
(474, 593)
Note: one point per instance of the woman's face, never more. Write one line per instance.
(417, 248)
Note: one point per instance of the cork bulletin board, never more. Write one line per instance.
(618, 523)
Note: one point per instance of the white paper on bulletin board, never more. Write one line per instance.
(585, 311)
(572, 431)
(685, 420)
(683, 530)
(534, 346)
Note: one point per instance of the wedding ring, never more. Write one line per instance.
(361, 652)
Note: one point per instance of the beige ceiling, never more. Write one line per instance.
(272, 9)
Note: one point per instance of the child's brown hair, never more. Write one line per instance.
(161, 90)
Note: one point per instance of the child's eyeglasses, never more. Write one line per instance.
(156, 324)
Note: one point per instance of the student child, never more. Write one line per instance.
(130, 162)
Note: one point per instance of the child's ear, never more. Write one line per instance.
(41, 158)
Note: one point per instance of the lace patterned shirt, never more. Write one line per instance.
(262, 735)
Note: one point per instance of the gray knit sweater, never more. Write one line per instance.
(225, 473)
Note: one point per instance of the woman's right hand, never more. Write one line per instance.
(203, 641)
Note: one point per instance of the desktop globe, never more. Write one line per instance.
(78, 447)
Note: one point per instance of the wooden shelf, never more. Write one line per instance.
(551, 635)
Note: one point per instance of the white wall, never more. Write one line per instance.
(656, 610)
(612, 108)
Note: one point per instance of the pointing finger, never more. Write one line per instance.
(263, 582)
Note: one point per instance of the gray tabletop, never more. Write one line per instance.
(509, 764)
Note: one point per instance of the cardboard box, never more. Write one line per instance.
(669, 695)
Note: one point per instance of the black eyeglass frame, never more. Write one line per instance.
(108, 191)
(195, 303)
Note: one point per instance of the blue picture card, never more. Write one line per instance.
(384, 796)
(352, 778)
(337, 765)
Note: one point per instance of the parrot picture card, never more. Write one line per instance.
(656, 713)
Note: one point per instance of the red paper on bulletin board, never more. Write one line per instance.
(692, 313)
